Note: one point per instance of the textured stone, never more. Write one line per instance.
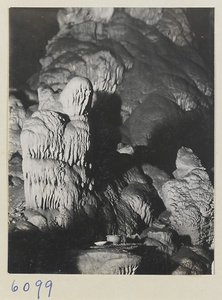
(54, 152)
(17, 115)
(17, 112)
(16, 203)
(191, 261)
(159, 177)
(56, 169)
(122, 51)
(117, 51)
(131, 203)
(175, 26)
(156, 116)
(76, 96)
(137, 196)
(37, 219)
(189, 199)
(150, 15)
(108, 262)
(68, 58)
(70, 15)
(14, 142)
(48, 100)
(15, 167)
(25, 226)
(166, 239)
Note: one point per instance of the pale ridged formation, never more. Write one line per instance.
(54, 147)
(42, 134)
(76, 96)
(189, 198)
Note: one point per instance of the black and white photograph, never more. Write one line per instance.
(112, 151)
(111, 141)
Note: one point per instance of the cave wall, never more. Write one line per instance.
(152, 93)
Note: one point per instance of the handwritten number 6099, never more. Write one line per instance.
(38, 284)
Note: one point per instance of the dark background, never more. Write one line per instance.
(31, 28)
(29, 31)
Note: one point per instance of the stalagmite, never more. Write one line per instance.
(189, 199)
(54, 145)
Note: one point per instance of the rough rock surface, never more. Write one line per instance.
(139, 197)
(108, 262)
(17, 116)
(55, 146)
(139, 72)
(148, 67)
(117, 44)
(191, 261)
(156, 116)
(165, 239)
(132, 204)
(72, 15)
(159, 177)
(189, 199)
(15, 169)
(58, 173)
(144, 58)
(150, 15)
(175, 26)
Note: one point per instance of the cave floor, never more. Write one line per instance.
(61, 253)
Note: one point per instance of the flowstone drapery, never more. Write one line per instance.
(55, 145)
(189, 199)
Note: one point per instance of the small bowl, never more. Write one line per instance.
(115, 239)
(100, 243)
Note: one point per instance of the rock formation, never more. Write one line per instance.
(189, 199)
(191, 261)
(156, 116)
(108, 262)
(17, 116)
(105, 47)
(56, 168)
(55, 146)
(146, 58)
(119, 91)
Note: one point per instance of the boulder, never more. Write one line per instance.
(156, 120)
(108, 262)
(165, 239)
(36, 218)
(191, 261)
